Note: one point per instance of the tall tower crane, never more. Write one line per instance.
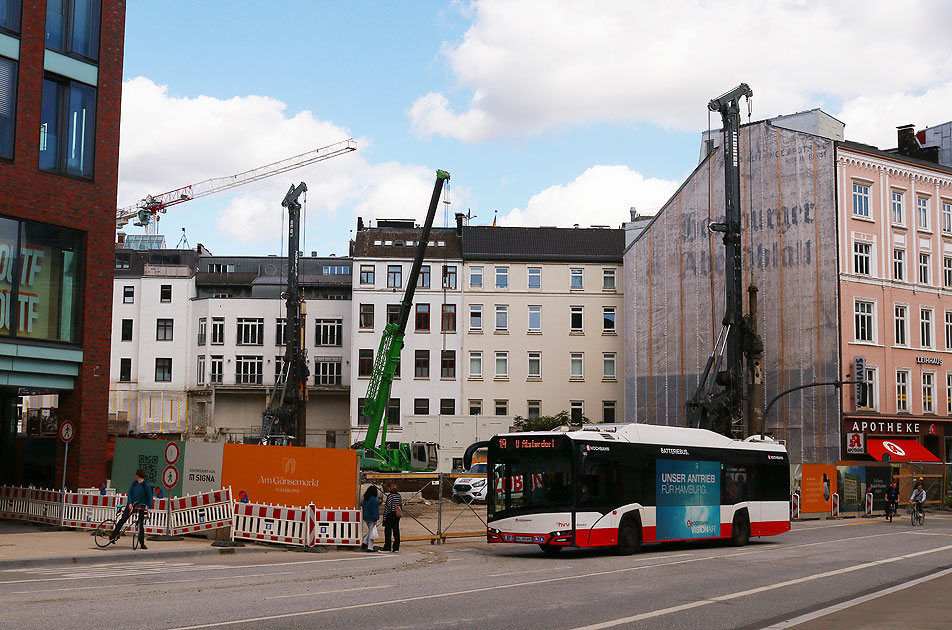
(146, 211)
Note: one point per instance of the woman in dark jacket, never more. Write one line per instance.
(371, 514)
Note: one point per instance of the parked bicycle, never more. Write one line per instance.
(103, 532)
(918, 518)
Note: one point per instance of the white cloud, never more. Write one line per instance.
(168, 142)
(873, 119)
(602, 195)
(525, 67)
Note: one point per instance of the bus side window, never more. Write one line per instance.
(740, 484)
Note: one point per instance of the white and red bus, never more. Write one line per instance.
(622, 485)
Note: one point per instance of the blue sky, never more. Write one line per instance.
(549, 112)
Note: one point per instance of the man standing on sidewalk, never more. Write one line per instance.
(392, 513)
(139, 497)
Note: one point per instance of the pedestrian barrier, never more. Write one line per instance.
(199, 512)
(272, 523)
(86, 511)
(835, 505)
(336, 527)
(795, 506)
(869, 504)
(45, 506)
(14, 502)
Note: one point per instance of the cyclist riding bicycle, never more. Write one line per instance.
(138, 498)
(918, 496)
(892, 500)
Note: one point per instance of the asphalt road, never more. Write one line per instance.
(806, 575)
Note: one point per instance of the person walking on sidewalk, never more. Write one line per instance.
(392, 513)
(139, 497)
(371, 514)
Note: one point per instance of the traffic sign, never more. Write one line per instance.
(169, 477)
(171, 452)
(67, 431)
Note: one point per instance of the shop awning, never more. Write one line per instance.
(899, 451)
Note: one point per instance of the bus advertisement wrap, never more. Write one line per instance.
(689, 498)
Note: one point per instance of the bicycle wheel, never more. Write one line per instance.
(103, 532)
(921, 518)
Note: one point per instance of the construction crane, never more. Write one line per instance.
(146, 211)
(718, 402)
(374, 453)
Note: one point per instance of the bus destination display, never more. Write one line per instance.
(528, 443)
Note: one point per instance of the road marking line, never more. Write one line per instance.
(854, 602)
(204, 578)
(319, 593)
(754, 591)
(485, 589)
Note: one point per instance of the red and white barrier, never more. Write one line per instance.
(795, 506)
(199, 512)
(869, 504)
(14, 502)
(835, 506)
(86, 511)
(337, 527)
(272, 523)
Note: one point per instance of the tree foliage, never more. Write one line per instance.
(548, 423)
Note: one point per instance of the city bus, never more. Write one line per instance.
(624, 485)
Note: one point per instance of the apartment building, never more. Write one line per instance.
(428, 381)
(542, 322)
(60, 92)
(200, 342)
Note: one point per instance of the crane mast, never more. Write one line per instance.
(718, 402)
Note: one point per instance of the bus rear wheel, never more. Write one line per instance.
(629, 537)
(740, 529)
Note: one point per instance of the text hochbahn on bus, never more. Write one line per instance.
(622, 485)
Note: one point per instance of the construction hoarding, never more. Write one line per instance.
(674, 275)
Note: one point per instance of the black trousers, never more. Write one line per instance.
(391, 529)
(126, 513)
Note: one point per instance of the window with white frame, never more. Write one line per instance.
(899, 265)
(163, 370)
(501, 406)
(862, 254)
(328, 371)
(202, 330)
(902, 390)
(948, 393)
(423, 280)
(535, 277)
(164, 329)
(925, 327)
(475, 364)
(948, 330)
(922, 212)
(502, 277)
(608, 279)
(502, 317)
(576, 279)
(217, 369)
(533, 408)
(476, 279)
(218, 331)
(947, 271)
(475, 317)
(248, 370)
(280, 331)
(576, 366)
(901, 318)
(863, 320)
(535, 319)
(871, 389)
(947, 217)
(200, 370)
(928, 392)
(367, 274)
(279, 375)
(608, 411)
(608, 319)
(898, 211)
(475, 406)
(328, 332)
(250, 331)
(860, 200)
(502, 364)
(925, 262)
(576, 324)
(535, 365)
(577, 410)
(609, 372)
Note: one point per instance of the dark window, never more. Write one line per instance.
(163, 370)
(423, 317)
(365, 362)
(128, 295)
(449, 276)
(448, 364)
(163, 329)
(218, 330)
(447, 406)
(218, 368)
(10, 15)
(366, 316)
(393, 412)
(72, 26)
(421, 364)
(421, 406)
(327, 371)
(280, 331)
(250, 331)
(394, 276)
(8, 103)
(424, 278)
(449, 318)
(328, 332)
(125, 370)
(123, 261)
(248, 370)
(393, 313)
(126, 330)
(165, 293)
(366, 274)
(67, 127)
(608, 411)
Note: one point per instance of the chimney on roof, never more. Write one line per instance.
(120, 238)
(909, 145)
(634, 213)
(460, 222)
(360, 224)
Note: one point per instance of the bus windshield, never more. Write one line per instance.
(528, 481)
